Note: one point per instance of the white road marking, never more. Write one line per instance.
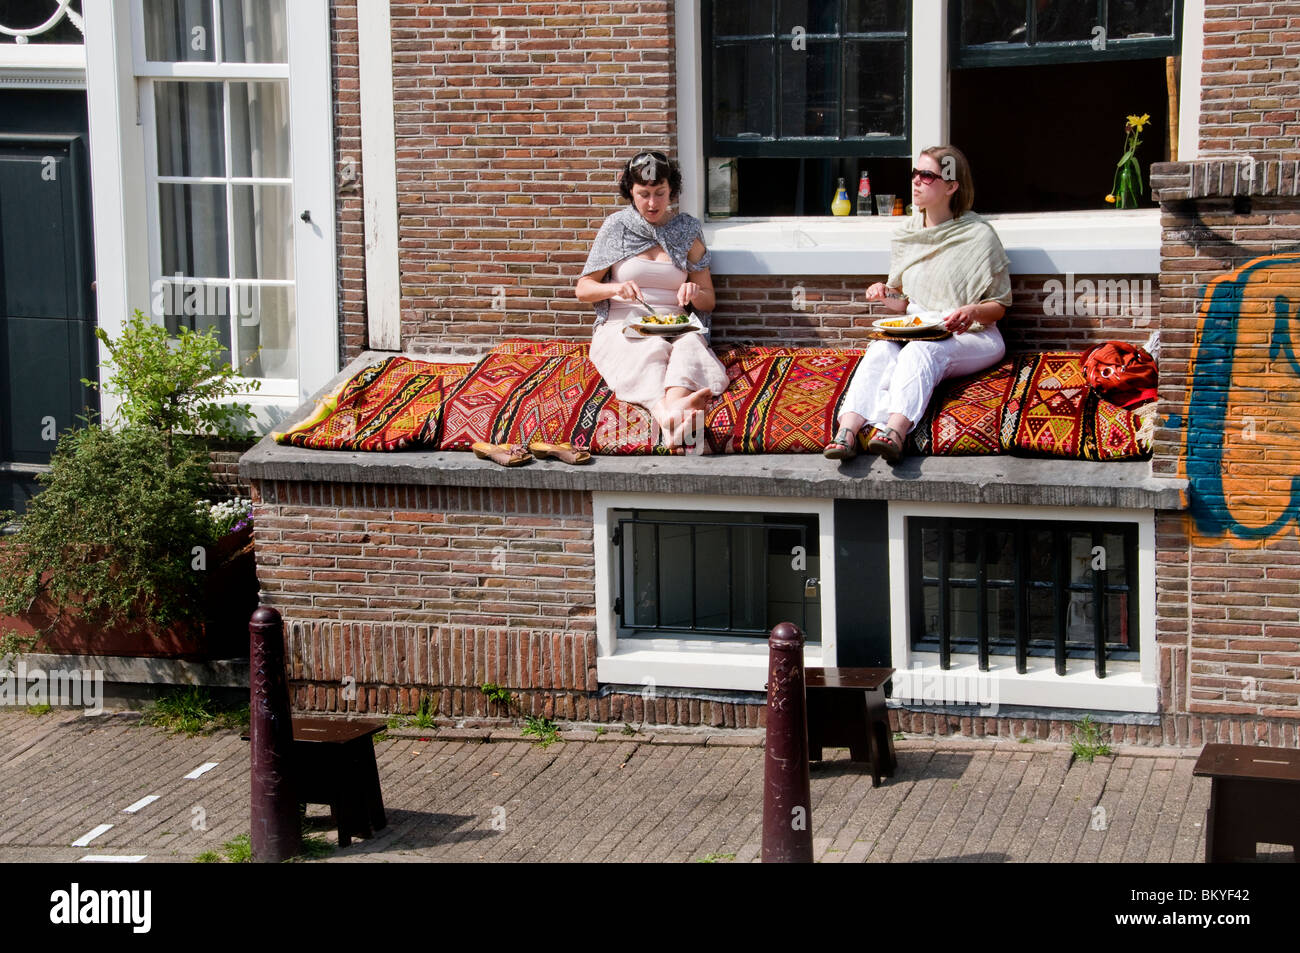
(141, 804)
(201, 769)
(85, 839)
(112, 858)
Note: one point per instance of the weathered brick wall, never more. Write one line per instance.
(349, 232)
(1229, 570)
(1250, 84)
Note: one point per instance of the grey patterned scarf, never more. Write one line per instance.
(626, 233)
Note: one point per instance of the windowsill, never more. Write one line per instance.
(719, 664)
(1104, 241)
(926, 684)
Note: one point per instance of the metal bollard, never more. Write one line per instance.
(276, 833)
(787, 792)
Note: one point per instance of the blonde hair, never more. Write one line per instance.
(954, 166)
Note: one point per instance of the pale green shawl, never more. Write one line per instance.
(946, 266)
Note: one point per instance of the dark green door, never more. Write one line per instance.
(47, 313)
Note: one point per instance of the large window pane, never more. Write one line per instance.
(189, 117)
(877, 15)
(809, 90)
(749, 592)
(268, 337)
(1081, 559)
(178, 31)
(254, 31)
(1129, 17)
(874, 94)
(993, 21)
(1061, 21)
(259, 130)
(263, 231)
(674, 575)
(814, 16)
(192, 230)
(712, 597)
(743, 17)
(742, 83)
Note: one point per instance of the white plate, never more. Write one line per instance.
(691, 325)
(928, 322)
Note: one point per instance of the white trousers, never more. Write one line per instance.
(894, 378)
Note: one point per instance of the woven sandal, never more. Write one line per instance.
(505, 454)
(887, 442)
(843, 447)
(565, 452)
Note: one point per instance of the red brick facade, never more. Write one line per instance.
(510, 125)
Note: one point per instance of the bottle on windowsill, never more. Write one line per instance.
(841, 205)
(864, 195)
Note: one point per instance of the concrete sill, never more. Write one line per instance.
(995, 479)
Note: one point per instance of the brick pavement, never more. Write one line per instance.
(453, 795)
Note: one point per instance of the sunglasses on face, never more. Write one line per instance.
(925, 175)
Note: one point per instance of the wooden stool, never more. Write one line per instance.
(1254, 796)
(846, 708)
(334, 764)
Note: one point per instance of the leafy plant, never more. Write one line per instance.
(543, 729)
(628, 729)
(495, 693)
(714, 858)
(422, 717)
(41, 709)
(1127, 185)
(1089, 739)
(191, 710)
(174, 385)
(111, 534)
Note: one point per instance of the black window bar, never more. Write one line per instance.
(624, 606)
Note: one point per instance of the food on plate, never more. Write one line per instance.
(903, 323)
(666, 319)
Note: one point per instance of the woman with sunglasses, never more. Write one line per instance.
(648, 252)
(946, 259)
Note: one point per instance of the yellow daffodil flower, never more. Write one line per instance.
(1110, 199)
(1137, 122)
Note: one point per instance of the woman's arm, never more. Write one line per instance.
(591, 288)
(894, 300)
(697, 289)
(986, 313)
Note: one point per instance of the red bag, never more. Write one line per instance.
(1123, 374)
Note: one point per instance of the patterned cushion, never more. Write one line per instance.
(965, 415)
(780, 400)
(1051, 411)
(392, 405)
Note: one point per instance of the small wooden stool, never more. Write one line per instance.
(1254, 796)
(846, 708)
(334, 764)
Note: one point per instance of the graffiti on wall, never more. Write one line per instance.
(1242, 449)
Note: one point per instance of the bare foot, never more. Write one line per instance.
(699, 400)
(669, 418)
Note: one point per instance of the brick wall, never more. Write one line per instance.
(1228, 572)
(1250, 89)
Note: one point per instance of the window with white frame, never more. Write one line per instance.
(1003, 79)
(23, 22)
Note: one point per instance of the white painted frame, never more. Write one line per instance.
(1074, 241)
(1128, 686)
(697, 661)
(379, 171)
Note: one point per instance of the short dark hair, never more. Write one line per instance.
(651, 169)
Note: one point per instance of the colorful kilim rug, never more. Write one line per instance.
(393, 405)
(780, 400)
(965, 415)
(1051, 411)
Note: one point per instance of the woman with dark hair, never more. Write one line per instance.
(946, 259)
(649, 252)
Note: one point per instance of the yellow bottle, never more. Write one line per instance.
(841, 205)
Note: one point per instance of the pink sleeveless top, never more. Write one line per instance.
(658, 281)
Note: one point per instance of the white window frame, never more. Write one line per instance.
(1128, 686)
(1102, 242)
(120, 142)
(695, 660)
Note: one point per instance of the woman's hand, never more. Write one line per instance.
(687, 293)
(959, 320)
(628, 291)
(893, 301)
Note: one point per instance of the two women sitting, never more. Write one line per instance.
(945, 259)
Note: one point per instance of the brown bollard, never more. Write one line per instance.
(276, 833)
(787, 792)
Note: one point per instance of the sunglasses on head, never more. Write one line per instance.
(645, 157)
(925, 175)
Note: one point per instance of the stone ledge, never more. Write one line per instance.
(1000, 479)
(1227, 177)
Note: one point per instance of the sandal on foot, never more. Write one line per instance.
(565, 452)
(887, 442)
(508, 455)
(843, 447)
